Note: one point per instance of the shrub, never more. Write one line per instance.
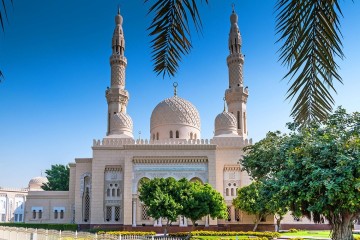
(356, 237)
(267, 235)
(293, 230)
(62, 227)
(123, 233)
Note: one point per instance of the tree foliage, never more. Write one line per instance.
(58, 177)
(310, 34)
(168, 198)
(320, 172)
(200, 200)
(162, 197)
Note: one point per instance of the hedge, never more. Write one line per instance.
(269, 235)
(117, 233)
(62, 227)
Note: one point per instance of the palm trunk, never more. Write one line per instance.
(166, 228)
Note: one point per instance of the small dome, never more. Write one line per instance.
(233, 18)
(121, 123)
(175, 114)
(36, 183)
(225, 123)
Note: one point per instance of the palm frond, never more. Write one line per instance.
(311, 40)
(171, 32)
(3, 13)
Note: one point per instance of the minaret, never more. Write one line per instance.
(236, 95)
(117, 97)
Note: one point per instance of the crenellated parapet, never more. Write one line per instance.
(220, 142)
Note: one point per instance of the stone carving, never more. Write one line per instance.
(117, 75)
(175, 110)
(235, 74)
(225, 121)
(82, 183)
(121, 121)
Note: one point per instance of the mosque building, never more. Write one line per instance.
(103, 189)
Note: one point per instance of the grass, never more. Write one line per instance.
(220, 237)
(325, 234)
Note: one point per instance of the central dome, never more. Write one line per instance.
(175, 117)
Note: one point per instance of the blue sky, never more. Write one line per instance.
(55, 57)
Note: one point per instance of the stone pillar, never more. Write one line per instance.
(134, 212)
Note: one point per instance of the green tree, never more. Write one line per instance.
(251, 200)
(58, 177)
(321, 175)
(200, 200)
(316, 170)
(162, 197)
(264, 158)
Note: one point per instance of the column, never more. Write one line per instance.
(134, 212)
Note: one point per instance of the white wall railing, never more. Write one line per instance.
(13, 233)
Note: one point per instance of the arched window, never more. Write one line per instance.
(108, 192)
(195, 136)
(56, 214)
(227, 192)
(232, 191)
(154, 136)
(191, 135)
(171, 134)
(238, 119)
(34, 214)
(118, 192)
(157, 136)
(40, 214)
(113, 192)
(177, 134)
(196, 179)
(62, 214)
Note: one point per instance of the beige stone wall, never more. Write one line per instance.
(83, 167)
(48, 201)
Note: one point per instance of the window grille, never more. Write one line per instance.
(87, 206)
(237, 215)
(108, 214)
(144, 215)
(34, 214)
(62, 214)
(117, 214)
(56, 214)
(40, 214)
(229, 213)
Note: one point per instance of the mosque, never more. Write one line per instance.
(103, 189)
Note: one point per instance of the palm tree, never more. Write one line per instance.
(309, 34)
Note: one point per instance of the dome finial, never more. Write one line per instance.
(175, 84)
(233, 7)
(118, 9)
(224, 104)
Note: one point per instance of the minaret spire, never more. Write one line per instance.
(117, 97)
(236, 95)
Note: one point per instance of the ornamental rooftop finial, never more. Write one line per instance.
(175, 84)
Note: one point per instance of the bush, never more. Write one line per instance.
(123, 233)
(293, 230)
(356, 237)
(297, 238)
(267, 235)
(62, 227)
